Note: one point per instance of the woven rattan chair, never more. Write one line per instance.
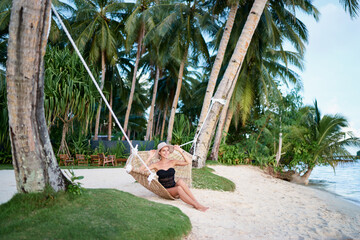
(183, 172)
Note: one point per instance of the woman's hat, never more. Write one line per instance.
(163, 144)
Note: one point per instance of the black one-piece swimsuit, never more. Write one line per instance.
(167, 177)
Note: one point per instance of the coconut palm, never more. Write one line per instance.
(181, 32)
(34, 161)
(5, 10)
(317, 140)
(136, 28)
(97, 27)
(219, 56)
(232, 70)
(265, 64)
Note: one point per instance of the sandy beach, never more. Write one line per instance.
(261, 207)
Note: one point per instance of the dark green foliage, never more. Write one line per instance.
(232, 154)
(96, 214)
(5, 145)
(183, 131)
(118, 151)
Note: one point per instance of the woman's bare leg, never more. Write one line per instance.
(181, 183)
(179, 191)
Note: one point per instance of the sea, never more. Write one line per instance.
(344, 182)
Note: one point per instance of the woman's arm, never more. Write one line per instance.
(152, 153)
(181, 151)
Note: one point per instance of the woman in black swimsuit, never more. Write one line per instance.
(166, 172)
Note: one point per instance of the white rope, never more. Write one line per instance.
(186, 143)
(48, 33)
(129, 167)
(213, 100)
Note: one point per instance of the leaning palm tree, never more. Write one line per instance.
(318, 140)
(265, 63)
(229, 77)
(234, 4)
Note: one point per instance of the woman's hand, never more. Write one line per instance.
(178, 148)
(152, 153)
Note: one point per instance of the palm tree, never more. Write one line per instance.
(317, 140)
(135, 30)
(97, 28)
(219, 59)
(33, 158)
(232, 70)
(179, 32)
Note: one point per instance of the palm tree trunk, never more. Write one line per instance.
(103, 71)
(151, 115)
(34, 161)
(219, 133)
(110, 116)
(176, 98)
(163, 122)
(237, 58)
(304, 179)
(62, 148)
(132, 91)
(157, 127)
(229, 117)
(217, 64)
(278, 154)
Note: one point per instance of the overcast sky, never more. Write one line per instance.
(332, 63)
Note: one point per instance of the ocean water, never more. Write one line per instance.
(345, 181)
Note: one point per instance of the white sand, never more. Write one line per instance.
(262, 207)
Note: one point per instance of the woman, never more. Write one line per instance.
(166, 172)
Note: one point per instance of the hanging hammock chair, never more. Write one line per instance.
(183, 172)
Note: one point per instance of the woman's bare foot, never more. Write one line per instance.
(202, 208)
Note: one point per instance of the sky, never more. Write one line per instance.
(332, 63)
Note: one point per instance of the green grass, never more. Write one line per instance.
(203, 178)
(96, 214)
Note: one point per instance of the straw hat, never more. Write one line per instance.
(161, 145)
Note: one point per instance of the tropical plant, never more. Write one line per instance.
(69, 92)
(135, 28)
(98, 30)
(232, 154)
(74, 186)
(181, 33)
(317, 140)
(5, 144)
(225, 36)
(183, 131)
(230, 75)
(119, 150)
